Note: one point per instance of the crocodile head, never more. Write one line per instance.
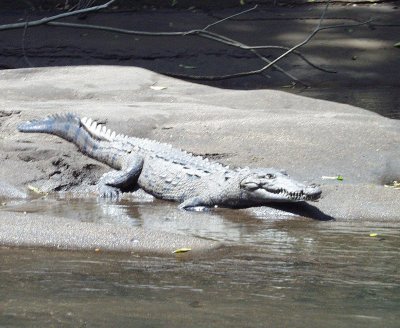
(261, 186)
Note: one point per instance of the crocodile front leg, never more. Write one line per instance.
(197, 203)
(110, 183)
(206, 199)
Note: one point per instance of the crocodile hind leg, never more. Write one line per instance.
(110, 183)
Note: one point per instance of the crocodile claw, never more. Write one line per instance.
(109, 192)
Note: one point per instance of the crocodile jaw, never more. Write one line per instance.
(269, 185)
(302, 193)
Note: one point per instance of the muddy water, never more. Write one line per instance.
(276, 271)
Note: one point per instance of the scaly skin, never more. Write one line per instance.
(172, 174)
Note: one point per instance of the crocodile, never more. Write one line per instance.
(169, 173)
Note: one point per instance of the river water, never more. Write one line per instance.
(276, 271)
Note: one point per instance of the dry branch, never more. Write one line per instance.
(53, 18)
(203, 33)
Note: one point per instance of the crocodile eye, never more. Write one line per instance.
(270, 176)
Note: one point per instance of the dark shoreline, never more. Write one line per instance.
(365, 58)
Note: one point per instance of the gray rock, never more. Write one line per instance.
(309, 138)
(33, 230)
(8, 191)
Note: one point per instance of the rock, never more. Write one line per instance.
(8, 191)
(311, 139)
(35, 230)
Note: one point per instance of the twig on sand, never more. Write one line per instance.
(46, 20)
(203, 33)
(286, 53)
(23, 46)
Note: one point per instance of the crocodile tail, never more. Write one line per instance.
(67, 126)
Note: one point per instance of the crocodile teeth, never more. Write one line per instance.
(89, 122)
(299, 195)
(98, 129)
(93, 127)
